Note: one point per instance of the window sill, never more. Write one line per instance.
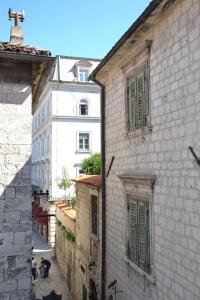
(147, 276)
(139, 132)
(83, 151)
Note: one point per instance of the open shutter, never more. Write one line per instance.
(133, 228)
(132, 103)
(141, 118)
(143, 235)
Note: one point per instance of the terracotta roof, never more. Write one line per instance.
(70, 212)
(22, 49)
(94, 180)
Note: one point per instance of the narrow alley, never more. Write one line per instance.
(43, 286)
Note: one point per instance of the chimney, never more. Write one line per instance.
(16, 33)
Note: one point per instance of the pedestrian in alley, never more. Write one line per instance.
(47, 265)
(34, 268)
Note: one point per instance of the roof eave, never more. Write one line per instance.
(42, 66)
(140, 20)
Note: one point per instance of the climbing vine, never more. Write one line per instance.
(68, 234)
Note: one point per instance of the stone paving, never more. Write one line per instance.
(43, 286)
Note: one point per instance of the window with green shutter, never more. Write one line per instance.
(139, 242)
(94, 215)
(137, 100)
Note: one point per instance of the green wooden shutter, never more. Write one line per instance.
(132, 103)
(133, 231)
(141, 117)
(94, 224)
(143, 235)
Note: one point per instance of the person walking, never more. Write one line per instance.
(34, 268)
(47, 265)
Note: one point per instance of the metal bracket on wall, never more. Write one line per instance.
(110, 166)
(194, 154)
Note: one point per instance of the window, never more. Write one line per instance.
(83, 107)
(84, 141)
(137, 100)
(139, 242)
(83, 75)
(94, 216)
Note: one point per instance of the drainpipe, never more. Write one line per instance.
(103, 185)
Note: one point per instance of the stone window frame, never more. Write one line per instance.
(131, 68)
(141, 187)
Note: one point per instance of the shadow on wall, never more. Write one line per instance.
(15, 223)
(15, 79)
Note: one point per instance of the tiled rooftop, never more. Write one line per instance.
(94, 180)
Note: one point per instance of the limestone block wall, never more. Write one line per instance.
(15, 181)
(88, 246)
(175, 116)
(65, 249)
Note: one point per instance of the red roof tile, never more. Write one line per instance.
(70, 212)
(94, 180)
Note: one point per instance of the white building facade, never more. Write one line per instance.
(66, 123)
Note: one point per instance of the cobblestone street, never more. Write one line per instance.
(43, 286)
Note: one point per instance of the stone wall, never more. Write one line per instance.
(65, 249)
(15, 181)
(88, 246)
(175, 115)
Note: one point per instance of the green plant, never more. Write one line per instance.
(92, 164)
(59, 223)
(64, 181)
(69, 235)
(73, 201)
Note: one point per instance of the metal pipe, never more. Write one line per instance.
(194, 154)
(103, 174)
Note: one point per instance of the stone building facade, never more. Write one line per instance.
(78, 239)
(21, 77)
(152, 114)
(65, 243)
(88, 237)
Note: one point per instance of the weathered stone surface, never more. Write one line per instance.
(19, 238)
(15, 181)
(24, 283)
(174, 68)
(10, 193)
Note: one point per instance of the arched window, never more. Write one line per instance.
(83, 107)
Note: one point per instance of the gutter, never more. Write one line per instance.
(103, 185)
(26, 57)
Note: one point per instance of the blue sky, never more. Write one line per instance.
(82, 28)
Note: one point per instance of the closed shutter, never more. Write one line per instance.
(141, 100)
(133, 231)
(139, 247)
(143, 235)
(132, 103)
